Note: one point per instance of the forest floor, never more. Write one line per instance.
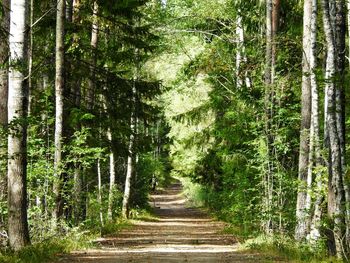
(177, 234)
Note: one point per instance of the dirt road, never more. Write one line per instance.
(180, 234)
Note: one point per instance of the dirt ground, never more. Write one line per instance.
(181, 234)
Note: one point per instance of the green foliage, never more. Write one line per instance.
(112, 228)
(286, 249)
(195, 194)
(49, 249)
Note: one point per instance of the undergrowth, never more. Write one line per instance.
(194, 193)
(47, 250)
(51, 248)
(286, 249)
(280, 247)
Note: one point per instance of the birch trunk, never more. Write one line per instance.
(314, 155)
(267, 180)
(111, 176)
(69, 10)
(17, 113)
(302, 214)
(340, 32)
(99, 190)
(130, 164)
(94, 43)
(4, 57)
(335, 166)
(240, 55)
(59, 94)
(73, 15)
(30, 55)
(272, 17)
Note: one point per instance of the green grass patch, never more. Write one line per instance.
(144, 215)
(51, 248)
(113, 227)
(48, 250)
(286, 249)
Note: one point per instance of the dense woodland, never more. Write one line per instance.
(246, 98)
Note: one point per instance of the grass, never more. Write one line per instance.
(47, 250)
(144, 215)
(51, 248)
(271, 248)
(286, 249)
(113, 227)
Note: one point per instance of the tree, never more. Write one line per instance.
(17, 118)
(302, 212)
(4, 55)
(4, 58)
(335, 179)
(315, 161)
(272, 23)
(131, 153)
(59, 96)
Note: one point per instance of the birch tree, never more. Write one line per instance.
(111, 175)
(302, 213)
(336, 189)
(17, 115)
(4, 55)
(340, 33)
(59, 95)
(94, 44)
(315, 148)
(272, 21)
(130, 161)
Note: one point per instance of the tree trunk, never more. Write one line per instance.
(30, 55)
(240, 55)
(315, 149)
(4, 57)
(99, 190)
(267, 224)
(59, 93)
(111, 176)
(336, 208)
(272, 21)
(130, 163)
(340, 32)
(94, 43)
(302, 214)
(17, 115)
(69, 10)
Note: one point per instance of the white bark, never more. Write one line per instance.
(99, 190)
(94, 44)
(240, 54)
(4, 75)
(335, 206)
(314, 156)
(303, 197)
(111, 176)
(130, 163)
(59, 94)
(17, 114)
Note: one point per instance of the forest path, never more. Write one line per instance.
(179, 234)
